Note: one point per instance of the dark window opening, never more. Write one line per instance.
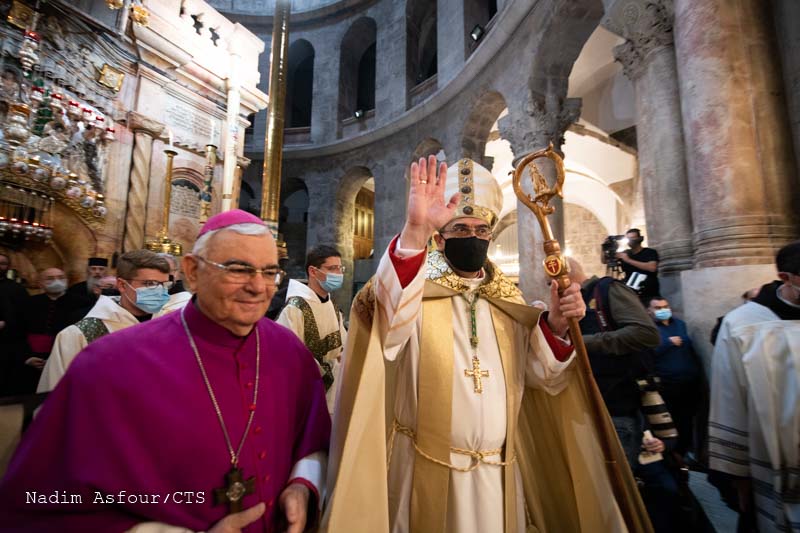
(299, 93)
(365, 98)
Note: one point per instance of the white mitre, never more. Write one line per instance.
(481, 196)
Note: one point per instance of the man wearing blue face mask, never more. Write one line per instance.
(312, 316)
(143, 282)
(679, 368)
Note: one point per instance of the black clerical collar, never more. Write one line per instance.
(323, 300)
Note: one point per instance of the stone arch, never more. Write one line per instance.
(72, 244)
(251, 178)
(421, 41)
(293, 223)
(426, 147)
(357, 68)
(300, 84)
(508, 220)
(478, 126)
(560, 42)
(349, 185)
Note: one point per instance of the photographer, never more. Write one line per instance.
(640, 266)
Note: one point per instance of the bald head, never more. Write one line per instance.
(576, 272)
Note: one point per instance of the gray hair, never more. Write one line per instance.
(171, 259)
(248, 228)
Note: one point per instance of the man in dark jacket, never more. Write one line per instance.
(677, 365)
(616, 329)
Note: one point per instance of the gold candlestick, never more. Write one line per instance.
(162, 242)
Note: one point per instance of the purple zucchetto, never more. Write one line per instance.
(229, 218)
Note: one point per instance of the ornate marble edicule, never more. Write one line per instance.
(90, 98)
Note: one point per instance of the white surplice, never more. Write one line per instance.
(754, 423)
(328, 320)
(475, 499)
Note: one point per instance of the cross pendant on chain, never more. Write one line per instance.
(235, 490)
(476, 374)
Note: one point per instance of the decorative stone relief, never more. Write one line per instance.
(646, 28)
(544, 119)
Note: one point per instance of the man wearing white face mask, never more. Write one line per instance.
(45, 315)
(311, 315)
(142, 281)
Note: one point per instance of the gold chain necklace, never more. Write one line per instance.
(236, 487)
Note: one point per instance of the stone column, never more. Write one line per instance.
(144, 131)
(451, 40)
(739, 154)
(738, 148)
(390, 68)
(787, 14)
(648, 60)
(530, 125)
(325, 92)
(231, 137)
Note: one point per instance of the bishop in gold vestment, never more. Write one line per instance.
(460, 408)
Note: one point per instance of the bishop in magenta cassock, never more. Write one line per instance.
(182, 422)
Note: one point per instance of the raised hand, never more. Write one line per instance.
(427, 211)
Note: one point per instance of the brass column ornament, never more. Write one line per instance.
(162, 243)
(273, 142)
(208, 188)
(557, 268)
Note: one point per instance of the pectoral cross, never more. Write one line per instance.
(476, 374)
(236, 489)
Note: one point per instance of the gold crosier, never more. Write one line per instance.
(557, 268)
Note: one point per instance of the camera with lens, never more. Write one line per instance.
(609, 250)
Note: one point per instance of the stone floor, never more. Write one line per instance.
(723, 518)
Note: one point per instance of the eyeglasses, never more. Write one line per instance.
(244, 273)
(333, 268)
(463, 230)
(151, 283)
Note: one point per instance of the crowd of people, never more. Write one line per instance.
(446, 404)
(41, 334)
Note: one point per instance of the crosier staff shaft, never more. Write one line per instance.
(556, 267)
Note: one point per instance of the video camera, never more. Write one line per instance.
(609, 250)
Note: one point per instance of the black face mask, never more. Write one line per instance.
(112, 291)
(466, 254)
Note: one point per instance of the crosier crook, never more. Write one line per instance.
(556, 267)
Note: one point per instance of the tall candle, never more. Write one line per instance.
(169, 134)
(213, 131)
